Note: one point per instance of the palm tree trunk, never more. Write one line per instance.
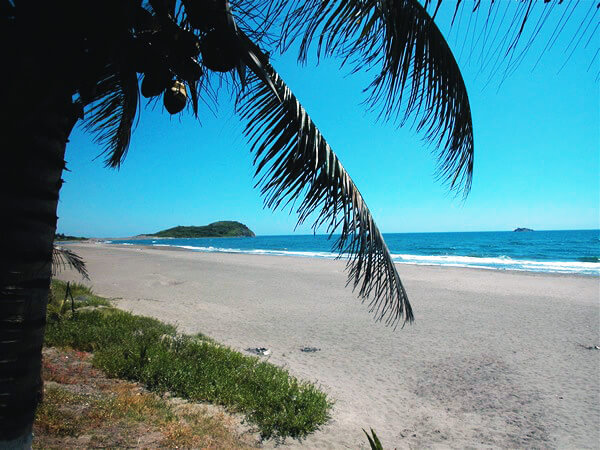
(32, 160)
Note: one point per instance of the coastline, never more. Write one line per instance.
(99, 242)
(492, 359)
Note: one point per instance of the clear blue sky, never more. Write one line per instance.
(537, 157)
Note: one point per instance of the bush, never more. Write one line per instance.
(196, 368)
(59, 304)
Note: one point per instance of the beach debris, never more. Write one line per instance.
(589, 347)
(310, 349)
(261, 351)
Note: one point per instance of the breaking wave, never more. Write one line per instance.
(494, 263)
(574, 251)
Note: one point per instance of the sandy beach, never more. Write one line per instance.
(494, 359)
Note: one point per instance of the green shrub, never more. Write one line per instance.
(194, 367)
(59, 303)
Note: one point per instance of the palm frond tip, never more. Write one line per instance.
(63, 258)
(294, 163)
(418, 77)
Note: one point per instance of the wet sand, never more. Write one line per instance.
(494, 358)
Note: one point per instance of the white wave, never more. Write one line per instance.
(187, 247)
(491, 263)
(502, 262)
(327, 255)
(211, 249)
(451, 258)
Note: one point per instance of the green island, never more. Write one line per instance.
(226, 228)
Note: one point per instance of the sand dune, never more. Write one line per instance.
(493, 358)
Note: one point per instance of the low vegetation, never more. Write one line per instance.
(84, 408)
(63, 301)
(64, 237)
(374, 441)
(216, 229)
(193, 367)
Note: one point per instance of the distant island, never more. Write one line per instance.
(227, 228)
(64, 237)
(522, 229)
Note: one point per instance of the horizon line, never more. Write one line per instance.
(335, 234)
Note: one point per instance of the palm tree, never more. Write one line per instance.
(69, 60)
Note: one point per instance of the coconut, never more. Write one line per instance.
(219, 52)
(141, 53)
(206, 14)
(175, 97)
(155, 82)
(186, 68)
(186, 43)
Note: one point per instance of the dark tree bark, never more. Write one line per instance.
(35, 130)
(46, 60)
(36, 118)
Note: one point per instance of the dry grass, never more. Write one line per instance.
(84, 408)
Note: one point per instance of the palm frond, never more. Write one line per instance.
(294, 163)
(63, 258)
(112, 114)
(418, 77)
(501, 39)
(259, 19)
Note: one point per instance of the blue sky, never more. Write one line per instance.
(537, 157)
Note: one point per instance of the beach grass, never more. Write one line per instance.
(54, 417)
(193, 367)
(84, 409)
(59, 301)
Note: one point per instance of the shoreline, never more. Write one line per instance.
(493, 359)
(98, 242)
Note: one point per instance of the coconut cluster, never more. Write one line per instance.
(168, 54)
(213, 18)
(165, 56)
(170, 43)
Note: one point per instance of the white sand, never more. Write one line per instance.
(492, 359)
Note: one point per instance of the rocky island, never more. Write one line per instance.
(519, 230)
(226, 228)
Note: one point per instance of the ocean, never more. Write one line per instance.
(565, 251)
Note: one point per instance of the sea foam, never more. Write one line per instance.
(497, 263)
(502, 262)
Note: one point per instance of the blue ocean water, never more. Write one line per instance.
(574, 251)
